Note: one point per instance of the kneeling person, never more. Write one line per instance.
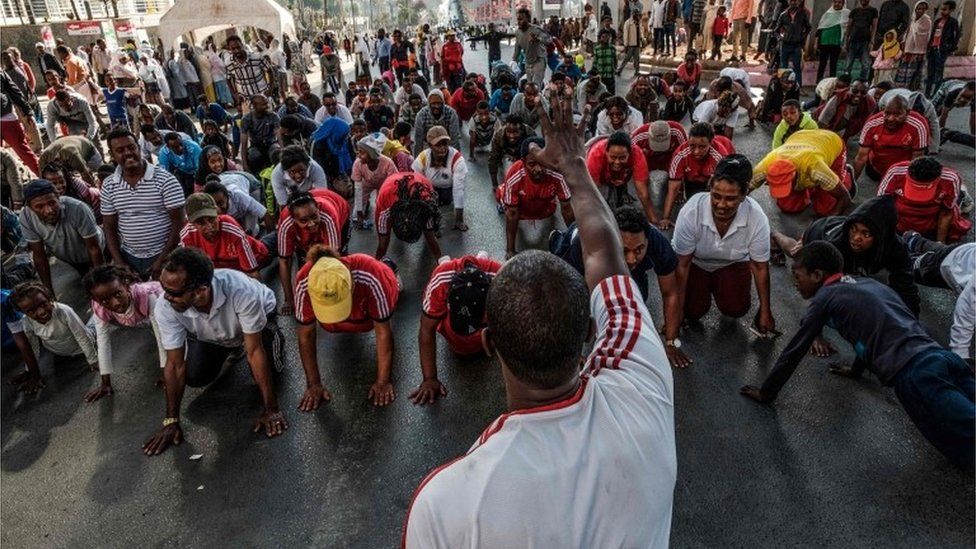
(221, 238)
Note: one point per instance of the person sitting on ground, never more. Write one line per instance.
(436, 113)
(369, 171)
(530, 193)
(181, 158)
(221, 238)
(483, 127)
(119, 302)
(926, 198)
(956, 94)
(692, 166)
(445, 167)
(172, 120)
(296, 172)
(721, 114)
(919, 104)
(617, 116)
(781, 88)
(643, 98)
(506, 146)
(410, 108)
(345, 294)
(950, 266)
(645, 249)
(680, 106)
(259, 135)
(933, 384)
(722, 241)
(659, 140)
(619, 169)
(331, 108)
(810, 168)
(407, 205)
(792, 120)
(207, 317)
(319, 216)
(525, 105)
(77, 153)
(291, 106)
(847, 111)
(868, 240)
(893, 135)
(67, 183)
(59, 226)
(538, 317)
(51, 328)
(453, 306)
(212, 136)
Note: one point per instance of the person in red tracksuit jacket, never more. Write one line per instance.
(452, 62)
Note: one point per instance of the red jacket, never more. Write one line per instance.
(721, 26)
(451, 57)
(466, 107)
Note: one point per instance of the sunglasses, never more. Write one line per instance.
(179, 293)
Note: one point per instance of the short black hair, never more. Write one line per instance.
(792, 103)
(171, 136)
(845, 78)
(290, 122)
(28, 288)
(702, 129)
(292, 155)
(538, 318)
(401, 129)
(885, 85)
(198, 267)
(951, 4)
(147, 128)
(925, 169)
(215, 187)
(119, 132)
(482, 105)
(619, 139)
(630, 219)
(820, 255)
(515, 119)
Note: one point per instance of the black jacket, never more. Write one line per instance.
(950, 36)
(889, 252)
(11, 95)
(48, 62)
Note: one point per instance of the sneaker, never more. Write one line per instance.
(555, 239)
(853, 190)
(912, 240)
(390, 263)
(965, 201)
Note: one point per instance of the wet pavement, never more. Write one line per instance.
(834, 463)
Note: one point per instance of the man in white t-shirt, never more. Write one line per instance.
(580, 459)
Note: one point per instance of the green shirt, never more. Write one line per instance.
(830, 36)
(605, 60)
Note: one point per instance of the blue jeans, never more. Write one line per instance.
(790, 54)
(860, 52)
(142, 266)
(936, 388)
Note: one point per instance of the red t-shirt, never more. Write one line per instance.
(232, 248)
(687, 168)
(924, 216)
(333, 216)
(599, 168)
(534, 199)
(387, 197)
(658, 160)
(690, 76)
(466, 107)
(887, 147)
(374, 294)
(435, 300)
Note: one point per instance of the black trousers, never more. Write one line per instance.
(927, 268)
(205, 360)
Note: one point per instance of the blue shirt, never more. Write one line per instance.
(383, 47)
(10, 315)
(186, 162)
(212, 111)
(500, 104)
(115, 103)
(571, 70)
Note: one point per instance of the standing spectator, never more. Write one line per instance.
(452, 61)
(861, 28)
(793, 27)
(632, 43)
(742, 12)
(48, 62)
(188, 71)
(401, 51)
(382, 51)
(942, 44)
(531, 41)
(12, 131)
(671, 11)
(720, 30)
(830, 37)
(605, 62)
(218, 73)
(154, 78)
(893, 15)
(142, 208)
(179, 95)
(248, 74)
(77, 73)
(493, 40)
(915, 48)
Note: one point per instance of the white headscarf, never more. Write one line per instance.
(833, 17)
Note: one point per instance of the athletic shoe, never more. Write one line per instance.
(853, 190)
(912, 240)
(555, 239)
(390, 263)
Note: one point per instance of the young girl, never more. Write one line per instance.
(118, 301)
(51, 326)
(720, 29)
(886, 58)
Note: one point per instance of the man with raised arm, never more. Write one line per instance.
(581, 458)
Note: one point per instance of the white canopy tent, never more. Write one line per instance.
(201, 19)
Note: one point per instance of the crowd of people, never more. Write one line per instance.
(221, 169)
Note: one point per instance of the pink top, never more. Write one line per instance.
(139, 309)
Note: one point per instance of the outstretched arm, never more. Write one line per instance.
(564, 153)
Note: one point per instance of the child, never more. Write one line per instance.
(689, 72)
(886, 58)
(52, 326)
(118, 301)
(483, 128)
(28, 381)
(115, 102)
(720, 29)
(792, 120)
(213, 136)
(680, 105)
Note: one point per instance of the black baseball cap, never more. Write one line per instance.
(466, 300)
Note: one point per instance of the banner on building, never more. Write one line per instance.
(552, 5)
(125, 29)
(84, 28)
(108, 33)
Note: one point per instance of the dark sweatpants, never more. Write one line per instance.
(205, 360)
(730, 286)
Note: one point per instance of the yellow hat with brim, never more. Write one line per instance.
(330, 290)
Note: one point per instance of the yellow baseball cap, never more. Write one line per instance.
(330, 290)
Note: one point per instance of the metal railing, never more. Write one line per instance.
(26, 12)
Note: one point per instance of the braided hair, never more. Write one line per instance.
(415, 210)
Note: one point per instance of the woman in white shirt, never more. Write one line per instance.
(722, 113)
(119, 301)
(722, 241)
(618, 116)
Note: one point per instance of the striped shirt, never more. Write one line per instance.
(333, 216)
(374, 294)
(890, 147)
(143, 209)
(231, 248)
(249, 77)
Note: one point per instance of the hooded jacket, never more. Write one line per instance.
(888, 253)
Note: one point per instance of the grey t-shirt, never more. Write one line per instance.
(65, 240)
(261, 130)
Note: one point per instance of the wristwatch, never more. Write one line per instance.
(676, 343)
(170, 420)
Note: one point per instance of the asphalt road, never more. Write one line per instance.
(834, 463)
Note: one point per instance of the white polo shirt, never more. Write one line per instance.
(957, 267)
(594, 470)
(241, 305)
(746, 240)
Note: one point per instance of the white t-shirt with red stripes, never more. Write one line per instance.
(594, 470)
